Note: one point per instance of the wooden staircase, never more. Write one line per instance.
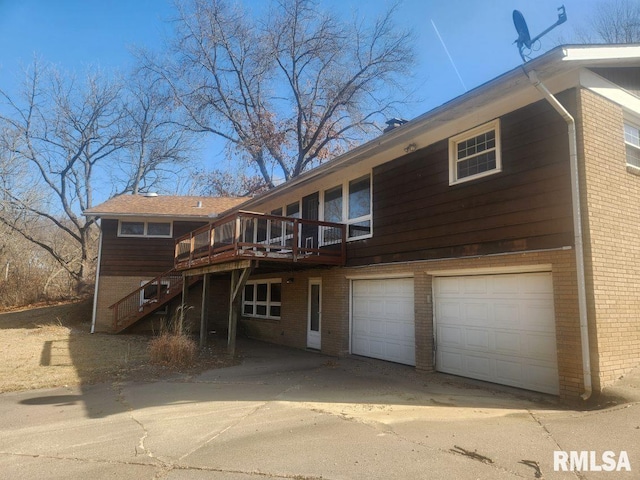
(147, 299)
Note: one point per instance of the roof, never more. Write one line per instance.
(164, 206)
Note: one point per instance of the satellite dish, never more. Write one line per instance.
(523, 31)
(524, 39)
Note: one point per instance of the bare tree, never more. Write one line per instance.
(220, 183)
(157, 150)
(62, 130)
(613, 21)
(286, 91)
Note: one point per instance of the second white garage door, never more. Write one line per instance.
(383, 324)
(498, 328)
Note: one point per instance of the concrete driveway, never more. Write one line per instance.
(285, 413)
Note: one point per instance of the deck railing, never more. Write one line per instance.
(256, 235)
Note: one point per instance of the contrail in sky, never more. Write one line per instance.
(449, 55)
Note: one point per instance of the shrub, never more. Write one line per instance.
(173, 350)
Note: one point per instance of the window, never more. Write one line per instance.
(333, 205)
(139, 228)
(149, 294)
(475, 153)
(352, 208)
(262, 299)
(349, 203)
(293, 210)
(632, 144)
(359, 214)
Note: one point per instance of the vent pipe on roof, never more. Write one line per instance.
(198, 204)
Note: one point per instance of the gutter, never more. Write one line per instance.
(577, 227)
(97, 285)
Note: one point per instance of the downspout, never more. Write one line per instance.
(577, 227)
(97, 285)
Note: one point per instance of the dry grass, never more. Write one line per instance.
(51, 346)
(173, 350)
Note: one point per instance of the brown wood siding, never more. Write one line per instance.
(627, 78)
(527, 206)
(139, 257)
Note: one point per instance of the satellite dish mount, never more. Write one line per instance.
(524, 39)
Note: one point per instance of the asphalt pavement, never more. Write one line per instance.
(290, 414)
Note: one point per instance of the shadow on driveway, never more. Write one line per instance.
(273, 373)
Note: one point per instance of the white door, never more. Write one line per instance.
(382, 316)
(314, 315)
(498, 328)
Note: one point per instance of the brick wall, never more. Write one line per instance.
(114, 288)
(291, 328)
(613, 254)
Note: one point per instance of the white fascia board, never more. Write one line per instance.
(610, 91)
(606, 54)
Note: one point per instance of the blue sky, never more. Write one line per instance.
(478, 35)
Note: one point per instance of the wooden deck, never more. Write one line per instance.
(256, 236)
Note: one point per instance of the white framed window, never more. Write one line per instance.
(475, 153)
(632, 143)
(142, 228)
(150, 294)
(262, 299)
(359, 208)
(350, 203)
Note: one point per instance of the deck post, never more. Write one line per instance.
(185, 290)
(204, 311)
(238, 280)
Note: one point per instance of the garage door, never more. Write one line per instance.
(498, 328)
(383, 323)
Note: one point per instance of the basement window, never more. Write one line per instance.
(262, 299)
(475, 153)
(149, 294)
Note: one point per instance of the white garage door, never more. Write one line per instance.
(383, 323)
(498, 328)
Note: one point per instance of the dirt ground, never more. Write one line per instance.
(50, 346)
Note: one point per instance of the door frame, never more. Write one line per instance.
(314, 339)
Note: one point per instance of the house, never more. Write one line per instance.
(136, 250)
(495, 237)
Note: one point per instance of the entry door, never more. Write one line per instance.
(314, 317)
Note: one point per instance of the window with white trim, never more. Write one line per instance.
(350, 203)
(149, 294)
(141, 228)
(475, 153)
(359, 208)
(632, 144)
(262, 299)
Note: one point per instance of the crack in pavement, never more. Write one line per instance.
(121, 399)
(553, 439)
(238, 421)
(164, 469)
